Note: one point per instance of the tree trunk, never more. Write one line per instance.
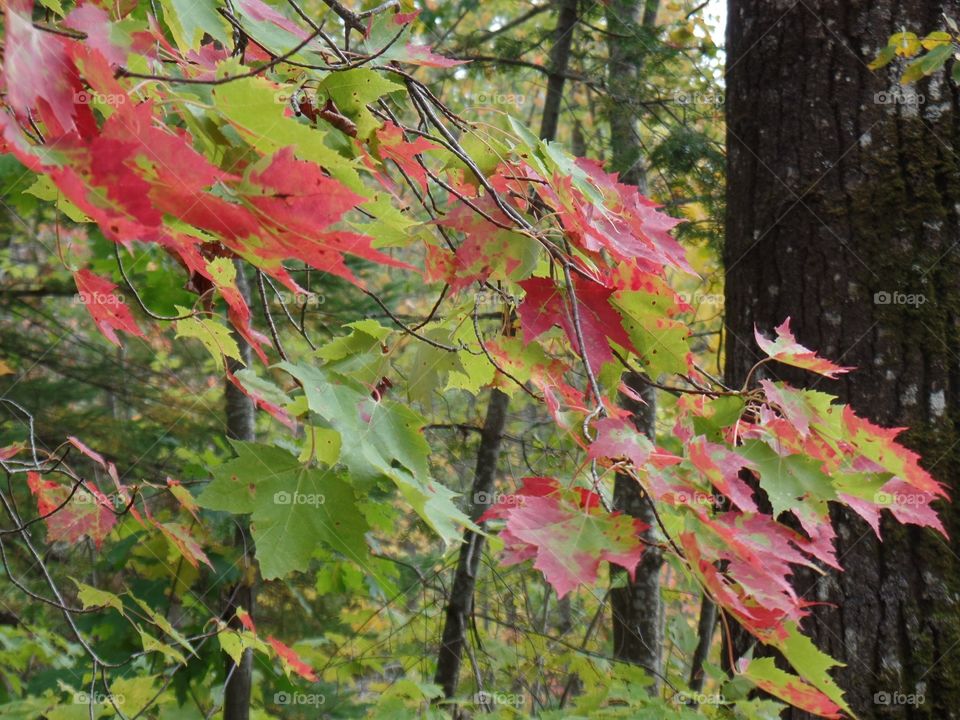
(241, 419)
(460, 604)
(559, 60)
(842, 213)
(705, 628)
(635, 606)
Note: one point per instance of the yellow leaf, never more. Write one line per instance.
(936, 38)
(215, 337)
(906, 43)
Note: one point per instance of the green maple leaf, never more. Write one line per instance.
(257, 110)
(216, 338)
(190, 20)
(789, 480)
(381, 439)
(352, 90)
(359, 354)
(662, 342)
(293, 507)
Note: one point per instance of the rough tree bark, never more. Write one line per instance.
(844, 190)
(460, 605)
(241, 421)
(635, 606)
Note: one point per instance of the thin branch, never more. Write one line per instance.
(136, 295)
(123, 72)
(266, 312)
(410, 331)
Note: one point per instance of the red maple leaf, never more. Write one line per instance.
(879, 445)
(37, 70)
(721, 468)
(391, 144)
(180, 537)
(567, 533)
(619, 438)
(423, 55)
(290, 659)
(85, 514)
(628, 225)
(298, 203)
(108, 311)
(545, 305)
(787, 350)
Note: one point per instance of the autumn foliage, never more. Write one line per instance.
(287, 154)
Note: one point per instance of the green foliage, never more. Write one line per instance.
(293, 508)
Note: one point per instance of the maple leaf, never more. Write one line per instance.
(625, 223)
(69, 520)
(787, 350)
(424, 55)
(619, 438)
(545, 306)
(488, 250)
(910, 505)
(184, 497)
(298, 203)
(763, 620)
(795, 405)
(391, 144)
(11, 450)
(721, 468)
(85, 449)
(879, 446)
(260, 11)
(94, 22)
(179, 536)
(567, 534)
(245, 620)
(263, 393)
(37, 71)
(290, 660)
(387, 35)
(763, 673)
(380, 438)
(294, 508)
(108, 311)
